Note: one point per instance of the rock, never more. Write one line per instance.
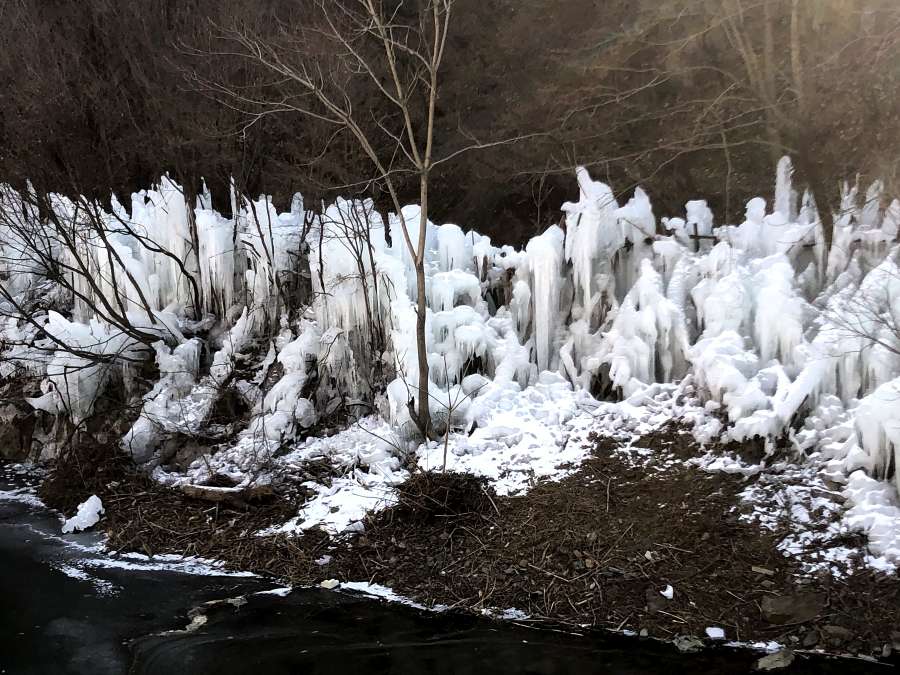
(837, 635)
(687, 644)
(798, 608)
(645, 633)
(810, 639)
(329, 584)
(16, 432)
(886, 651)
(180, 450)
(776, 661)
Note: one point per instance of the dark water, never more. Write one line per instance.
(63, 610)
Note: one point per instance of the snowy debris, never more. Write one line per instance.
(197, 622)
(88, 515)
(511, 614)
(385, 593)
(342, 506)
(101, 586)
(668, 592)
(281, 592)
(96, 557)
(23, 495)
(874, 510)
(330, 584)
(715, 633)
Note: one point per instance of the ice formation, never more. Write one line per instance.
(88, 515)
(784, 339)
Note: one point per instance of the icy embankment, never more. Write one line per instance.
(304, 315)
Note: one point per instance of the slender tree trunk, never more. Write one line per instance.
(421, 349)
(813, 177)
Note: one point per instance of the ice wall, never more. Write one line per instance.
(767, 324)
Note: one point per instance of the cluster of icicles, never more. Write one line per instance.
(765, 321)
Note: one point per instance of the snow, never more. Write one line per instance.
(668, 592)
(88, 515)
(385, 593)
(522, 435)
(101, 586)
(22, 495)
(342, 506)
(715, 633)
(875, 511)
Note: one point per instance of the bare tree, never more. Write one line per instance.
(371, 70)
(744, 80)
(69, 245)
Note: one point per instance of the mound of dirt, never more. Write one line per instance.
(429, 497)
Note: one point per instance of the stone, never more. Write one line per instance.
(645, 633)
(797, 608)
(687, 644)
(776, 660)
(181, 450)
(16, 432)
(837, 635)
(810, 639)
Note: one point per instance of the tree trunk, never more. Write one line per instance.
(421, 350)
(814, 180)
(424, 413)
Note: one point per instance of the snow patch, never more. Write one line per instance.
(88, 515)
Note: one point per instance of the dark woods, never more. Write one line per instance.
(689, 98)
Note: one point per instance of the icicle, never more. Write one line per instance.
(785, 197)
(545, 257)
(454, 249)
(592, 230)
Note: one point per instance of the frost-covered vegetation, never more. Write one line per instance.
(308, 317)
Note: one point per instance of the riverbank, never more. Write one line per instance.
(84, 612)
(641, 537)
